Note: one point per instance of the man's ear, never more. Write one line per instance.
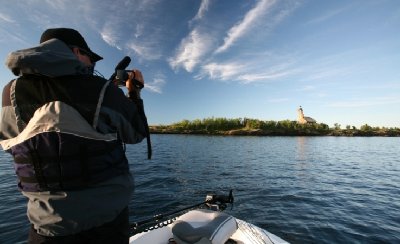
(76, 51)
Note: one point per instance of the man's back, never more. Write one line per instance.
(66, 130)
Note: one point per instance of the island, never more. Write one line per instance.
(304, 126)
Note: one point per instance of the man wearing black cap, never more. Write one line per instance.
(66, 129)
(73, 39)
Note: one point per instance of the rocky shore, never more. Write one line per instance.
(259, 132)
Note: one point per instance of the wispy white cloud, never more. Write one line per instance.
(43, 14)
(262, 66)
(321, 94)
(202, 10)
(241, 28)
(7, 37)
(307, 88)
(110, 36)
(265, 76)
(6, 18)
(330, 67)
(133, 29)
(250, 69)
(323, 73)
(35, 14)
(327, 15)
(282, 14)
(56, 4)
(356, 103)
(278, 100)
(146, 50)
(157, 84)
(140, 30)
(195, 45)
(191, 50)
(243, 72)
(245, 67)
(221, 71)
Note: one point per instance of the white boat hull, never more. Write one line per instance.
(245, 233)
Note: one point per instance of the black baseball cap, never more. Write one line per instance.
(70, 37)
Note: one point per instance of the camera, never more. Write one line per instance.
(121, 77)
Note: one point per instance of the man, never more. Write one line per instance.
(66, 129)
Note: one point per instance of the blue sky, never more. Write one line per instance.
(258, 59)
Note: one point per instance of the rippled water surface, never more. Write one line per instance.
(303, 189)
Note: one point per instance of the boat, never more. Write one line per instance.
(201, 223)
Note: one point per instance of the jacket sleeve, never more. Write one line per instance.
(8, 123)
(119, 113)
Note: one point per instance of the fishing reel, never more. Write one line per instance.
(219, 202)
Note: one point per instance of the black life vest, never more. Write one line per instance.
(58, 147)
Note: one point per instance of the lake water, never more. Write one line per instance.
(303, 189)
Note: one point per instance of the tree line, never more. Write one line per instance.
(247, 126)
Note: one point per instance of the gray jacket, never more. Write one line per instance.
(65, 212)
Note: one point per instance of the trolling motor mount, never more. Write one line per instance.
(219, 202)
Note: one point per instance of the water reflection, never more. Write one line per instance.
(302, 154)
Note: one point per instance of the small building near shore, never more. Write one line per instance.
(301, 119)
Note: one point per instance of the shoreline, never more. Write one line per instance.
(259, 132)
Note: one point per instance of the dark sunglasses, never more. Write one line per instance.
(84, 52)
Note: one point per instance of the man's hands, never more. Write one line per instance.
(133, 90)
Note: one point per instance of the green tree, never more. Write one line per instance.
(366, 127)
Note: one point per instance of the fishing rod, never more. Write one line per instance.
(119, 76)
(215, 202)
